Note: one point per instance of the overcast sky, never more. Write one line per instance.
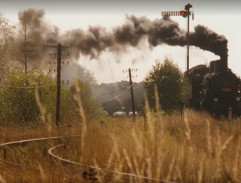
(221, 16)
(121, 6)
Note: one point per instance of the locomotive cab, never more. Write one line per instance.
(217, 91)
(223, 93)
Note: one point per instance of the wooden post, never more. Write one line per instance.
(59, 50)
(132, 95)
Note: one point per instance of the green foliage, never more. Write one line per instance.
(6, 38)
(171, 84)
(17, 96)
(18, 101)
(92, 107)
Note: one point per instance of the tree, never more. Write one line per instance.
(17, 96)
(91, 107)
(6, 38)
(74, 70)
(172, 86)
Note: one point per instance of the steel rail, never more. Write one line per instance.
(6, 145)
(50, 151)
(35, 140)
(20, 142)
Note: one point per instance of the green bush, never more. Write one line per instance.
(172, 86)
(92, 107)
(18, 102)
(17, 96)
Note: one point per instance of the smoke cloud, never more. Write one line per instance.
(97, 39)
(38, 32)
(206, 39)
(37, 29)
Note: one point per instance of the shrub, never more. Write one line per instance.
(171, 85)
(17, 96)
(92, 107)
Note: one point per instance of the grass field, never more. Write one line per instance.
(196, 148)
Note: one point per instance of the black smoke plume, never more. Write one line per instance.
(206, 39)
(38, 32)
(37, 29)
(97, 39)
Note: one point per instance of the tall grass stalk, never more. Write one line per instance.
(78, 99)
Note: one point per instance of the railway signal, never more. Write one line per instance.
(186, 14)
(171, 13)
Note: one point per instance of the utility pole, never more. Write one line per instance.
(25, 48)
(59, 48)
(131, 89)
(132, 95)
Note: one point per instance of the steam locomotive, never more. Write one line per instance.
(215, 89)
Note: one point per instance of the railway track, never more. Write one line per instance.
(6, 145)
(12, 165)
(91, 174)
(93, 168)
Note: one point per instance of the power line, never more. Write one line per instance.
(100, 96)
(119, 94)
(24, 87)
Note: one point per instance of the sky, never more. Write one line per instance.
(221, 16)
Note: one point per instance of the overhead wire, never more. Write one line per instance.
(119, 94)
(24, 87)
(100, 96)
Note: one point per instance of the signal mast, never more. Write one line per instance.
(186, 14)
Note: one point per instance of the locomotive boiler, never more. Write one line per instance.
(215, 89)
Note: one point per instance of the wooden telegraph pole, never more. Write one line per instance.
(25, 48)
(131, 89)
(132, 94)
(59, 50)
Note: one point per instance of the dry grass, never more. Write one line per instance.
(195, 149)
